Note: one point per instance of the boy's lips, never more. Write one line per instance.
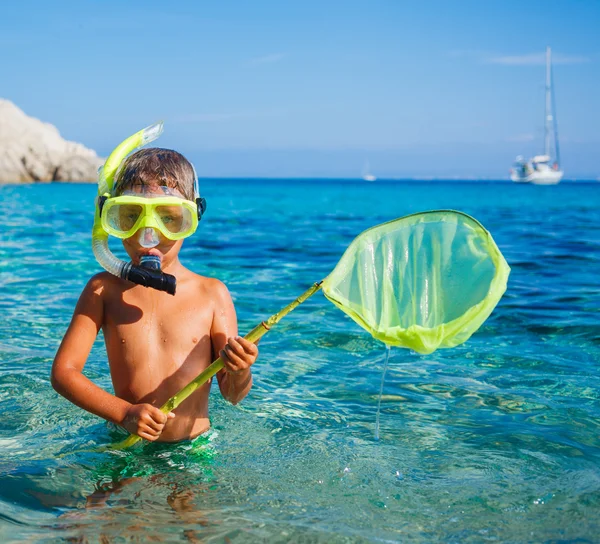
(151, 251)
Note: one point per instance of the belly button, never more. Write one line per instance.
(122, 340)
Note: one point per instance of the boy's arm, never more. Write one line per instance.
(67, 376)
(235, 380)
(67, 371)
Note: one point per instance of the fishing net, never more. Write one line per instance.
(423, 282)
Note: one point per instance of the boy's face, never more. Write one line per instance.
(167, 250)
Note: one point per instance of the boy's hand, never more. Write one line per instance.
(146, 421)
(238, 355)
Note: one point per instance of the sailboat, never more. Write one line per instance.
(367, 176)
(542, 169)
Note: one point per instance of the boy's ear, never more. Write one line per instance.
(201, 204)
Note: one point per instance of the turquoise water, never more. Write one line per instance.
(496, 440)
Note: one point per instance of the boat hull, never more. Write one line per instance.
(548, 177)
(551, 177)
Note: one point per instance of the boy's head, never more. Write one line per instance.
(142, 210)
(150, 200)
(156, 167)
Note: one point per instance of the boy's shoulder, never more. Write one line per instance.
(106, 285)
(205, 284)
(99, 282)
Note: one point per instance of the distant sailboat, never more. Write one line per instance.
(540, 170)
(367, 176)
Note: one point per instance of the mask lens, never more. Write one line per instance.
(123, 217)
(176, 219)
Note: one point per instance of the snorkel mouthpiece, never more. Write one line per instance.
(149, 274)
(150, 262)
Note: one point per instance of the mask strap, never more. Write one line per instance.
(200, 202)
(196, 184)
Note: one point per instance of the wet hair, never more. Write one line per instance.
(155, 166)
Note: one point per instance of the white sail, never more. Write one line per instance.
(367, 176)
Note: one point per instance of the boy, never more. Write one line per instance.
(156, 343)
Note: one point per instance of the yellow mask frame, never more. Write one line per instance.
(158, 213)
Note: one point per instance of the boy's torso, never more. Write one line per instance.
(157, 343)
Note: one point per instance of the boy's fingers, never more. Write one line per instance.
(147, 436)
(154, 419)
(242, 347)
(234, 346)
(153, 425)
(233, 357)
(144, 428)
(232, 366)
(232, 362)
(225, 358)
(249, 347)
(157, 415)
(170, 415)
(227, 352)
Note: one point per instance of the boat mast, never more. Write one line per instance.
(548, 126)
(554, 124)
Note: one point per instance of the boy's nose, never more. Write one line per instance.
(148, 237)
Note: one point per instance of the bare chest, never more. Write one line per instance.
(160, 333)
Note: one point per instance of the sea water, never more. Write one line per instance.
(495, 440)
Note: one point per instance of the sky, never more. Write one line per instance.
(313, 88)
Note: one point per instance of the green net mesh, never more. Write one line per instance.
(423, 282)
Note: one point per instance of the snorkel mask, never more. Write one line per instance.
(122, 216)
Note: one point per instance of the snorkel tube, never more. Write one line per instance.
(148, 273)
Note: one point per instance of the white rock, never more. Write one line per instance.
(31, 150)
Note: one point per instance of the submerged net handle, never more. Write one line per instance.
(255, 334)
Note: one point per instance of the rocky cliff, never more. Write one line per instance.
(31, 150)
